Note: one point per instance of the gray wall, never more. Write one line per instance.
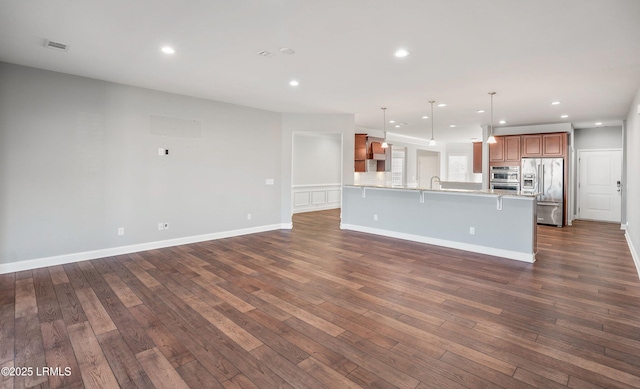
(598, 138)
(632, 180)
(77, 161)
(316, 158)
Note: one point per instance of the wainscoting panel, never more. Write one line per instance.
(316, 197)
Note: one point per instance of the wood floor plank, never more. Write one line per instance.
(313, 320)
(124, 365)
(7, 332)
(48, 306)
(26, 303)
(323, 373)
(319, 306)
(29, 350)
(59, 353)
(70, 306)
(196, 376)
(58, 275)
(94, 368)
(96, 314)
(124, 293)
(159, 370)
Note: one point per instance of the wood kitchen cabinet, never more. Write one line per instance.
(544, 145)
(477, 157)
(506, 151)
(368, 148)
(360, 152)
(553, 145)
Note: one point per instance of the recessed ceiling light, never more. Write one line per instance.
(442, 105)
(599, 124)
(168, 50)
(264, 53)
(425, 117)
(452, 125)
(392, 121)
(502, 122)
(401, 53)
(480, 111)
(564, 116)
(555, 103)
(286, 50)
(397, 126)
(294, 83)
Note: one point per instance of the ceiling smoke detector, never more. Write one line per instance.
(264, 53)
(55, 45)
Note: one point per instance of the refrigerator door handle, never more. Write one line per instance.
(539, 188)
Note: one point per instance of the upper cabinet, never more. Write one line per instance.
(544, 145)
(477, 157)
(506, 151)
(554, 145)
(360, 154)
(368, 150)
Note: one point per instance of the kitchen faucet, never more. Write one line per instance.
(432, 178)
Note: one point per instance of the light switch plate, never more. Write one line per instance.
(270, 181)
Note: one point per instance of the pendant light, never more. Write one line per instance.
(432, 142)
(385, 145)
(491, 139)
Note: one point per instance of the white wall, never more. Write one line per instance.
(292, 123)
(316, 158)
(598, 138)
(632, 179)
(317, 171)
(77, 161)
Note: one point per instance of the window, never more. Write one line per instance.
(458, 167)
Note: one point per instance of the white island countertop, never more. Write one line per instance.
(479, 192)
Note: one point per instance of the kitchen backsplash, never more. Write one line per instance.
(372, 178)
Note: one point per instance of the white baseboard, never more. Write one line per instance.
(86, 255)
(634, 252)
(518, 256)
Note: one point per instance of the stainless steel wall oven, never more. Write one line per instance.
(505, 178)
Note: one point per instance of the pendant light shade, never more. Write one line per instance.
(432, 142)
(385, 145)
(491, 139)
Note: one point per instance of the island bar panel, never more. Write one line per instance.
(502, 225)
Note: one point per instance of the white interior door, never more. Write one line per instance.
(428, 166)
(599, 193)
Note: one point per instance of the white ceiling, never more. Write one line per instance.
(583, 53)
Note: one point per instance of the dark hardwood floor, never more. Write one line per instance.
(319, 307)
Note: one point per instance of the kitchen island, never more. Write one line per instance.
(499, 223)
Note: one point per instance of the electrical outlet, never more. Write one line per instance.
(120, 231)
(160, 226)
(375, 218)
(166, 226)
(472, 230)
(248, 216)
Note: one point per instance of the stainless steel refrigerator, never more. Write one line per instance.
(545, 176)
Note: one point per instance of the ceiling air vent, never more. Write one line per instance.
(55, 45)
